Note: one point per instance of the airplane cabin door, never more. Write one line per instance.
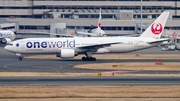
(22, 45)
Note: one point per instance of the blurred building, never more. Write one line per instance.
(118, 16)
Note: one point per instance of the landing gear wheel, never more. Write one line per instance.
(93, 59)
(88, 59)
(20, 58)
(84, 58)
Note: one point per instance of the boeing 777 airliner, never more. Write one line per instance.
(71, 47)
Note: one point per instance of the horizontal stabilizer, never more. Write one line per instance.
(159, 40)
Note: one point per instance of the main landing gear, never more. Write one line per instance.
(88, 57)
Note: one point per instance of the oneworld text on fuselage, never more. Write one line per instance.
(51, 44)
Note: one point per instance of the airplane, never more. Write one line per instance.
(66, 48)
(6, 36)
(97, 31)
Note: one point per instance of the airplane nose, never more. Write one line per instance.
(7, 48)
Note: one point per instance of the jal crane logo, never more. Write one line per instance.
(156, 28)
(99, 24)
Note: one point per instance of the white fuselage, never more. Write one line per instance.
(54, 45)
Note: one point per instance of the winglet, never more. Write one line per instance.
(155, 30)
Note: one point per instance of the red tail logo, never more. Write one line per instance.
(156, 28)
(99, 24)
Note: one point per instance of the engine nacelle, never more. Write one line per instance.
(66, 53)
(5, 40)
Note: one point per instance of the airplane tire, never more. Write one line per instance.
(88, 59)
(93, 59)
(84, 58)
(20, 58)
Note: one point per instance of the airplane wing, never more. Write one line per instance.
(86, 33)
(159, 40)
(56, 34)
(65, 35)
(123, 35)
(101, 45)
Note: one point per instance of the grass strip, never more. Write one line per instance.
(165, 66)
(94, 99)
(89, 92)
(44, 74)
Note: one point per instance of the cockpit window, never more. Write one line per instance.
(10, 44)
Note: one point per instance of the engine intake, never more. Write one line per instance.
(5, 40)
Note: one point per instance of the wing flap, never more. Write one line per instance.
(101, 45)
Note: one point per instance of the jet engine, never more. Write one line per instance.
(66, 53)
(5, 40)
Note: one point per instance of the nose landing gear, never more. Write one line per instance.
(20, 58)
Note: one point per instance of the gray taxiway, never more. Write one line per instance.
(8, 63)
(78, 81)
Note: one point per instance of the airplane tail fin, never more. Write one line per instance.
(99, 21)
(155, 30)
